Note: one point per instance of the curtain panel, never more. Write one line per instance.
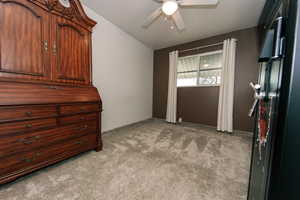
(172, 88)
(225, 106)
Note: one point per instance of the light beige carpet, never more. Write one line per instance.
(151, 160)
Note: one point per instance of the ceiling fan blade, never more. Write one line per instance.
(178, 20)
(159, 1)
(150, 19)
(198, 2)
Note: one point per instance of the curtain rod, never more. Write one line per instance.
(201, 47)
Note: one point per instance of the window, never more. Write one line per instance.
(200, 70)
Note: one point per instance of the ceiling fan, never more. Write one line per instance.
(170, 9)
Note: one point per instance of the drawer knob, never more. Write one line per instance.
(83, 128)
(28, 125)
(36, 137)
(52, 87)
(29, 140)
(33, 158)
(25, 141)
(79, 142)
(29, 114)
(28, 160)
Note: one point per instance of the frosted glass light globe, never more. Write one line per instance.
(169, 7)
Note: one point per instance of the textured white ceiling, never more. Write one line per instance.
(227, 16)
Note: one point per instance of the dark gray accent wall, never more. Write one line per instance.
(200, 104)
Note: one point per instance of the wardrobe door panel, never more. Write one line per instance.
(23, 40)
(71, 52)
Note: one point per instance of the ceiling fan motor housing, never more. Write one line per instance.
(170, 7)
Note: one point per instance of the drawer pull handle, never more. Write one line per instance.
(36, 137)
(25, 141)
(54, 48)
(52, 87)
(83, 128)
(29, 140)
(28, 125)
(29, 114)
(46, 45)
(28, 160)
(33, 158)
(79, 142)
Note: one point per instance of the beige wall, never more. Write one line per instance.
(123, 74)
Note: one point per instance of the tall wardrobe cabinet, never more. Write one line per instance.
(49, 108)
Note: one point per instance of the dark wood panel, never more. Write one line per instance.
(14, 175)
(71, 62)
(26, 126)
(80, 108)
(26, 112)
(99, 136)
(26, 160)
(41, 44)
(14, 94)
(23, 43)
(31, 140)
(78, 118)
(45, 68)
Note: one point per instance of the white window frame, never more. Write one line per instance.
(199, 70)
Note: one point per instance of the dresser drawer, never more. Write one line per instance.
(31, 125)
(79, 108)
(25, 161)
(78, 118)
(26, 142)
(26, 112)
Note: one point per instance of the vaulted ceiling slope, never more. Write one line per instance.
(227, 16)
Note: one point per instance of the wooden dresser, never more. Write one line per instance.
(49, 108)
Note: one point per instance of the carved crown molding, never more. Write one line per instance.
(55, 5)
(75, 11)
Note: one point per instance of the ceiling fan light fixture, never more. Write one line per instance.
(169, 7)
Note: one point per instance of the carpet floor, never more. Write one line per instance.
(151, 160)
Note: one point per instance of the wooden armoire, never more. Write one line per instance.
(49, 109)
